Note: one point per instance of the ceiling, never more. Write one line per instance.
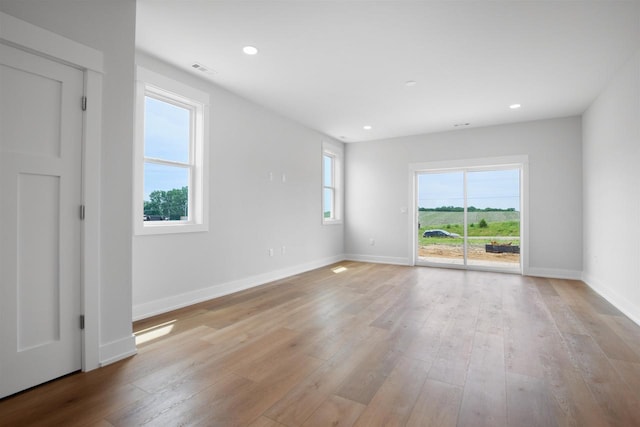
(336, 66)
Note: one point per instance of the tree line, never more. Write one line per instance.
(461, 209)
(172, 204)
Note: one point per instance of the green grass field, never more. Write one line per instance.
(431, 219)
(500, 228)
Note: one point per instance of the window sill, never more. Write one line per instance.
(331, 222)
(145, 229)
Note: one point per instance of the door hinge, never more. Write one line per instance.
(82, 212)
(84, 103)
(82, 321)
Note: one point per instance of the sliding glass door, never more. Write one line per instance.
(470, 218)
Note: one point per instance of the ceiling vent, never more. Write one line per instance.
(202, 68)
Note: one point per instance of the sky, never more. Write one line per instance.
(495, 189)
(166, 136)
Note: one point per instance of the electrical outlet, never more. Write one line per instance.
(372, 242)
(270, 251)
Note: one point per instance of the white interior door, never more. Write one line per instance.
(40, 229)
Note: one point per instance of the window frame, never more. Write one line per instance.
(334, 151)
(331, 186)
(165, 89)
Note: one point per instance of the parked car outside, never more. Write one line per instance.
(439, 233)
(154, 218)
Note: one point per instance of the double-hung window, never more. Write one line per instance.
(171, 162)
(332, 154)
(329, 186)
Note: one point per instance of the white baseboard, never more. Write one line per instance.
(619, 302)
(553, 273)
(163, 305)
(117, 350)
(377, 259)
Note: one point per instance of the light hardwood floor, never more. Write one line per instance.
(372, 345)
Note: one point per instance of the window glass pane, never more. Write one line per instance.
(166, 130)
(497, 189)
(493, 198)
(327, 170)
(328, 203)
(441, 217)
(166, 190)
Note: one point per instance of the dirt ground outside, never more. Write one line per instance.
(473, 253)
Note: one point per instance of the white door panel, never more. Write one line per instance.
(40, 193)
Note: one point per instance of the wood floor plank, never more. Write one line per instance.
(366, 344)
(527, 324)
(341, 330)
(367, 378)
(576, 294)
(296, 406)
(261, 368)
(395, 399)
(242, 407)
(152, 406)
(628, 372)
(247, 330)
(454, 349)
(564, 318)
(436, 406)
(265, 422)
(165, 352)
(427, 339)
(575, 404)
(210, 362)
(484, 398)
(490, 318)
(335, 411)
(201, 405)
(367, 299)
(608, 340)
(625, 329)
(618, 402)
(222, 317)
(528, 402)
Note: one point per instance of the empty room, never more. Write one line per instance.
(319, 213)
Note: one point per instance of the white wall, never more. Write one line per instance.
(248, 213)
(377, 188)
(110, 28)
(611, 176)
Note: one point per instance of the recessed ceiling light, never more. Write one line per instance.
(343, 137)
(250, 50)
(410, 83)
(515, 106)
(367, 127)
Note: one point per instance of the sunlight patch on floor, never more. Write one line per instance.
(154, 332)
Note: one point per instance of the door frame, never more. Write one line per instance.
(28, 37)
(521, 161)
